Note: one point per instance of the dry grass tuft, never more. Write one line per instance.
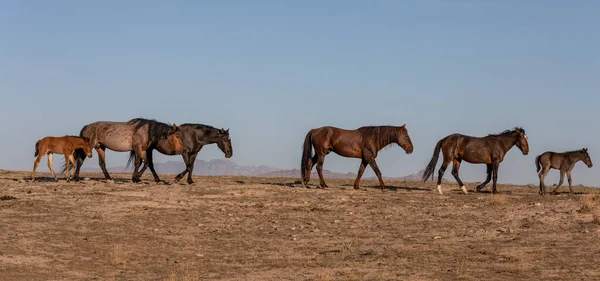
(498, 199)
(588, 203)
(118, 255)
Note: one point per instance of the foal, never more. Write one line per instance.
(63, 145)
(561, 161)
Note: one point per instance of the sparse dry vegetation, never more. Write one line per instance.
(498, 199)
(242, 228)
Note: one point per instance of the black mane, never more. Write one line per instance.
(156, 130)
(198, 126)
(507, 132)
(381, 135)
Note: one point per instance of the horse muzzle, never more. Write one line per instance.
(228, 155)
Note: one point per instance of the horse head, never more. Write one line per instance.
(586, 158)
(224, 142)
(404, 140)
(174, 138)
(521, 141)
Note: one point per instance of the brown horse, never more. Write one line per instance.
(63, 145)
(363, 143)
(561, 161)
(135, 135)
(489, 150)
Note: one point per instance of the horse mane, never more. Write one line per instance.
(380, 135)
(198, 126)
(575, 151)
(156, 130)
(507, 132)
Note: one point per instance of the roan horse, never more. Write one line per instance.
(135, 135)
(363, 143)
(561, 161)
(194, 137)
(64, 145)
(489, 150)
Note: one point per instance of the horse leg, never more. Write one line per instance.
(562, 177)
(79, 162)
(135, 176)
(67, 167)
(487, 179)
(311, 164)
(35, 164)
(186, 160)
(151, 165)
(542, 175)
(441, 174)
(495, 176)
(190, 166)
(373, 165)
(73, 164)
(455, 167)
(101, 154)
(320, 160)
(361, 170)
(50, 166)
(570, 183)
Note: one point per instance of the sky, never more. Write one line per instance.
(272, 70)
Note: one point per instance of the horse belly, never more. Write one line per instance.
(117, 141)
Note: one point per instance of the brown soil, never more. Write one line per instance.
(239, 228)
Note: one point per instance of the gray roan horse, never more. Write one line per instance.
(136, 135)
(489, 150)
(561, 161)
(194, 137)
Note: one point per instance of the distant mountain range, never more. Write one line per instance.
(219, 167)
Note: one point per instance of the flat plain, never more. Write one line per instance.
(250, 228)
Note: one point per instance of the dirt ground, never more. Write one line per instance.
(242, 228)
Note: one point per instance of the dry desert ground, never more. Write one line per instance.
(248, 228)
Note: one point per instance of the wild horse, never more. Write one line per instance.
(489, 150)
(136, 135)
(561, 161)
(194, 137)
(363, 143)
(64, 145)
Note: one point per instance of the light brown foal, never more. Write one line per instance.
(63, 145)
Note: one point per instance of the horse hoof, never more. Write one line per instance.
(191, 182)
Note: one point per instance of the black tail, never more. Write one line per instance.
(306, 155)
(431, 166)
(37, 150)
(78, 154)
(131, 158)
(537, 163)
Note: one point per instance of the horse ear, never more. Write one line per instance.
(175, 128)
(227, 131)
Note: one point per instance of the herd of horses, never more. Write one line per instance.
(140, 137)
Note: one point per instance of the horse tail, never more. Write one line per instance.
(37, 149)
(537, 163)
(306, 154)
(131, 158)
(431, 166)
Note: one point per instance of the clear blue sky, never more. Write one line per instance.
(272, 70)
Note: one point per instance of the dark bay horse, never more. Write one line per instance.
(564, 162)
(363, 143)
(194, 137)
(136, 135)
(489, 150)
(64, 145)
